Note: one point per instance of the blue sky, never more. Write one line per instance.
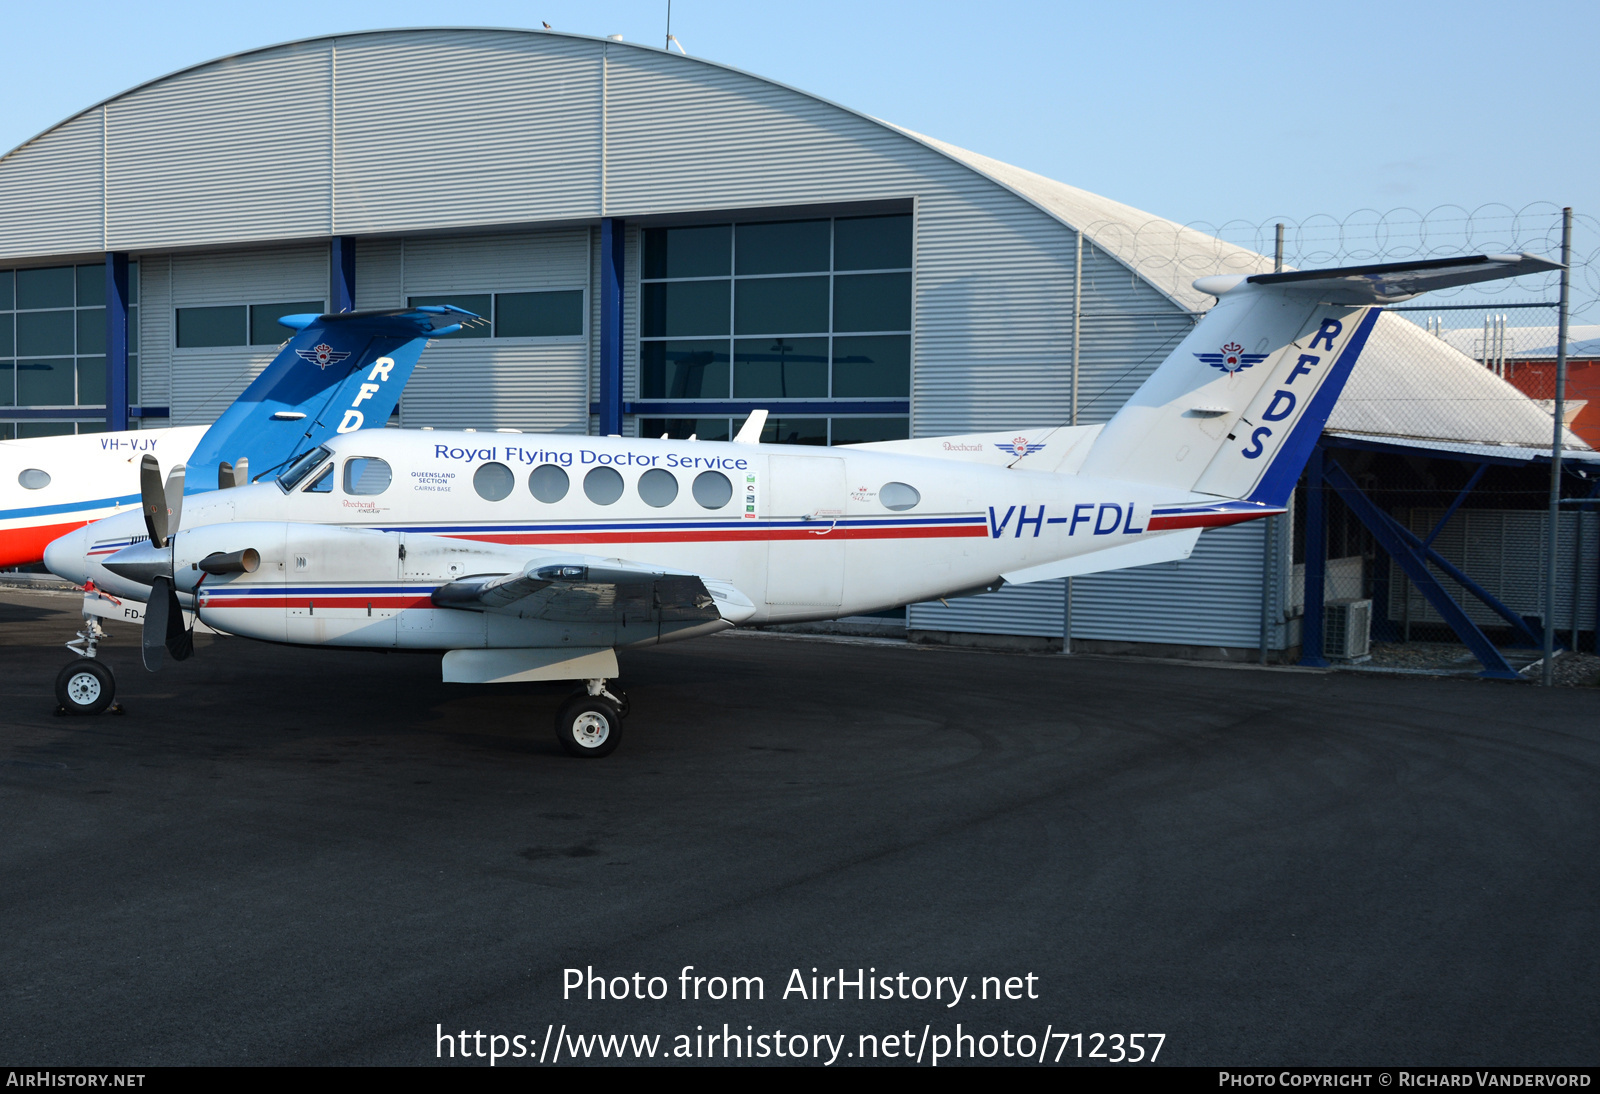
(1198, 112)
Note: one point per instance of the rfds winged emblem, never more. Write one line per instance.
(1232, 358)
(1020, 447)
(322, 355)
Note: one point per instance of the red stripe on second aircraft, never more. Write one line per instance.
(25, 546)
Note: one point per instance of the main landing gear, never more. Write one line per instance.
(86, 686)
(589, 725)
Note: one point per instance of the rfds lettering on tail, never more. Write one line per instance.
(540, 559)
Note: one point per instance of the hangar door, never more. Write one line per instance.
(808, 569)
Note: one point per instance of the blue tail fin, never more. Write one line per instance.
(337, 374)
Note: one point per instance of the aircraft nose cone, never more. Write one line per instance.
(141, 562)
(64, 557)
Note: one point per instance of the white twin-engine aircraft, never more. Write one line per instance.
(528, 557)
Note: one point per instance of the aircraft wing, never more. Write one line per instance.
(583, 590)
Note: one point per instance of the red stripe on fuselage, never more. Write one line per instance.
(25, 546)
(1204, 520)
(332, 600)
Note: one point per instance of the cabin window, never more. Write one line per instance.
(657, 488)
(603, 485)
(898, 496)
(712, 489)
(366, 475)
(34, 479)
(493, 481)
(548, 483)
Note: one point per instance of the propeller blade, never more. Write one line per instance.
(225, 476)
(241, 472)
(174, 500)
(179, 639)
(153, 500)
(153, 642)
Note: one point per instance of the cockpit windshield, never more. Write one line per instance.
(296, 472)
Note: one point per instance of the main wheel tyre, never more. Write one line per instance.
(589, 726)
(85, 686)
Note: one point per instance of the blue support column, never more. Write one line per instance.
(1316, 562)
(117, 340)
(611, 282)
(342, 274)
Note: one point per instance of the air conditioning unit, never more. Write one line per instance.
(1347, 630)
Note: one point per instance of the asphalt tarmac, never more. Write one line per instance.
(307, 856)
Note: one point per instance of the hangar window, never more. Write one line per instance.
(538, 314)
(366, 475)
(898, 496)
(548, 483)
(712, 489)
(603, 485)
(53, 343)
(265, 330)
(493, 481)
(555, 313)
(798, 309)
(203, 328)
(34, 479)
(784, 429)
(658, 487)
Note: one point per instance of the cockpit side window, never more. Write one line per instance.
(296, 472)
(323, 483)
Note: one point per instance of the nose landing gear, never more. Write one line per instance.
(86, 686)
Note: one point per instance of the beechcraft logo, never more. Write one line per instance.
(322, 355)
(1019, 446)
(1232, 358)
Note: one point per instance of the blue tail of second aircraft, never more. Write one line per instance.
(337, 374)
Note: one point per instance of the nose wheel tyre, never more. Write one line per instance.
(85, 686)
(589, 726)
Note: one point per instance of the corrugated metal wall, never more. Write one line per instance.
(1502, 550)
(155, 332)
(50, 191)
(1211, 598)
(222, 153)
(465, 127)
(528, 384)
(205, 381)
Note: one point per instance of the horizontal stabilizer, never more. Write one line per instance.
(1169, 547)
(1388, 282)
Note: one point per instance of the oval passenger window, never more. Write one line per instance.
(603, 485)
(657, 487)
(898, 496)
(34, 479)
(548, 483)
(712, 489)
(366, 475)
(493, 481)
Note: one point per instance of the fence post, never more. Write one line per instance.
(1316, 562)
(1547, 676)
